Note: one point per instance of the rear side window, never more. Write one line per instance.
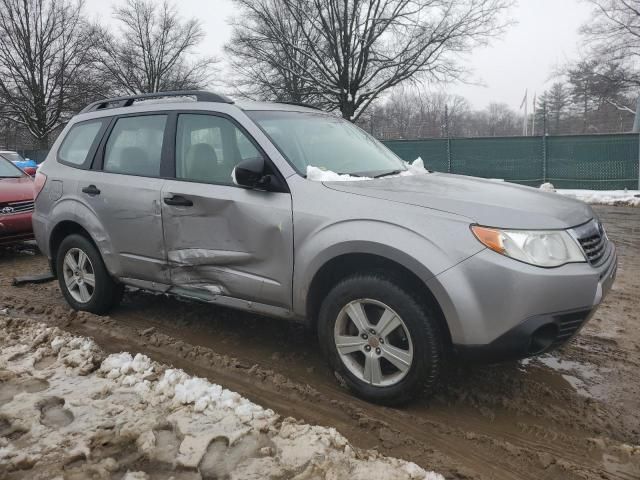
(135, 146)
(78, 142)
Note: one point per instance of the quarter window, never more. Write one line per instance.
(78, 142)
(209, 147)
(135, 146)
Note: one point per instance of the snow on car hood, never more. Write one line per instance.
(320, 175)
(487, 202)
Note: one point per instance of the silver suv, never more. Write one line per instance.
(287, 211)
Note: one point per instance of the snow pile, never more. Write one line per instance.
(320, 175)
(69, 411)
(598, 197)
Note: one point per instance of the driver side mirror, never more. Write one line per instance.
(251, 173)
(31, 171)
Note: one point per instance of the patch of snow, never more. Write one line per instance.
(319, 175)
(414, 168)
(143, 409)
(598, 197)
(322, 175)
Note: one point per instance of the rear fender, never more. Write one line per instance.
(71, 210)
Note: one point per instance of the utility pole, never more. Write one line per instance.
(636, 122)
(544, 141)
(533, 118)
(525, 120)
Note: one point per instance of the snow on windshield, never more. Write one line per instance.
(319, 175)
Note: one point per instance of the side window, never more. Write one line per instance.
(135, 146)
(209, 147)
(76, 145)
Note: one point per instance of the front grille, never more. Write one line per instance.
(13, 208)
(593, 241)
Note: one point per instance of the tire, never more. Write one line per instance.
(418, 336)
(104, 295)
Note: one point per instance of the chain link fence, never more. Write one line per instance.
(595, 162)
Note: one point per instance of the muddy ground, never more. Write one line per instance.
(573, 414)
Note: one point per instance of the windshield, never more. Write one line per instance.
(12, 156)
(8, 169)
(326, 142)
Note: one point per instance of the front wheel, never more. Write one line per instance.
(380, 339)
(83, 277)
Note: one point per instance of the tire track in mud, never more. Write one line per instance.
(506, 422)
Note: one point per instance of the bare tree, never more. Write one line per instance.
(410, 114)
(152, 51)
(614, 34)
(44, 48)
(262, 71)
(354, 50)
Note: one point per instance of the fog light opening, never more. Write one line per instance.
(542, 338)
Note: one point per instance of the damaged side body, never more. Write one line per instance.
(232, 243)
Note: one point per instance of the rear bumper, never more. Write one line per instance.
(15, 228)
(499, 309)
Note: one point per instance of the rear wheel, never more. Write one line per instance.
(83, 277)
(380, 339)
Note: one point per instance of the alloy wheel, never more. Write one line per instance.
(373, 342)
(79, 276)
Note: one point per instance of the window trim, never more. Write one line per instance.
(171, 167)
(98, 161)
(88, 161)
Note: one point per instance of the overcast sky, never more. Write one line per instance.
(544, 37)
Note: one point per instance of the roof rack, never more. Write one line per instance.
(300, 104)
(117, 102)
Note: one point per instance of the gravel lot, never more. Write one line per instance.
(572, 414)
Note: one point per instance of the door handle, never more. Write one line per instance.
(178, 201)
(91, 190)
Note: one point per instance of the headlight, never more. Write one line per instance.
(544, 248)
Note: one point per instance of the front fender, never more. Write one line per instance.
(402, 245)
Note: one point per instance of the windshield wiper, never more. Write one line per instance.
(386, 174)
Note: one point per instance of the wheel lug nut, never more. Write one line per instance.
(381, 340)
(365, 336)
(378, 351)
(372, 331)
(367, 348)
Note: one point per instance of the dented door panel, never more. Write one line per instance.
(232, 241)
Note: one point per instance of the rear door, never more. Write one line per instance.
(222, 239)
(124, 191)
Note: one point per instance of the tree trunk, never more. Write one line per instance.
(43, 143)
(347, 108)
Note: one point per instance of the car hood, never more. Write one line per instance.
(16, 189)
(487, 202)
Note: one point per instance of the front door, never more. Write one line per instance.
(222, 239)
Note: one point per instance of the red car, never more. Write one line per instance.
(16, 204)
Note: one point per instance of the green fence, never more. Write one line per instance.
(597, 162)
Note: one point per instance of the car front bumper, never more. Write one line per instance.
(498, 308)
